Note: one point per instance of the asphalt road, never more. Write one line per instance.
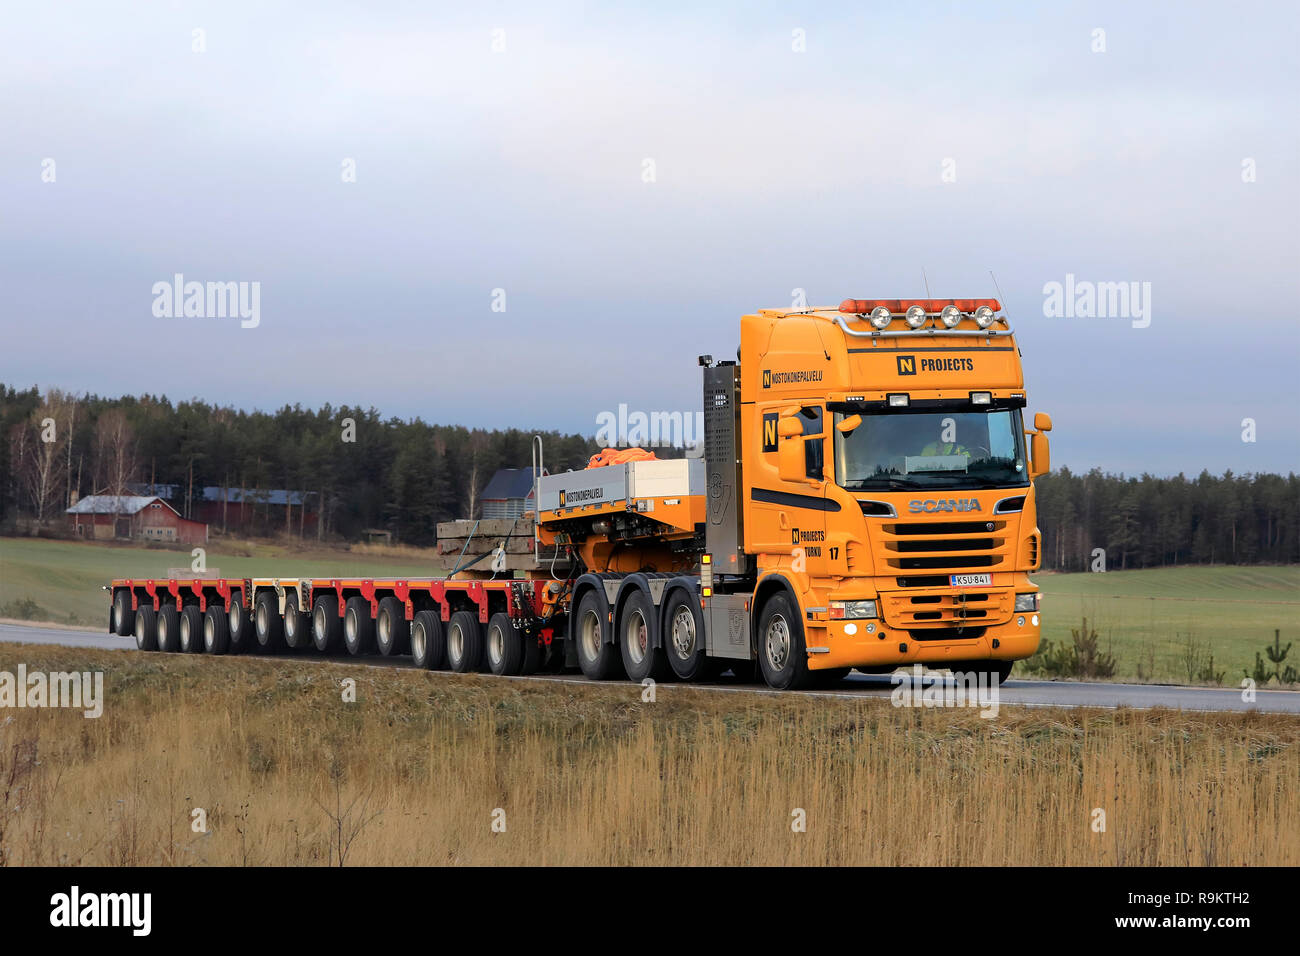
(1028, 693)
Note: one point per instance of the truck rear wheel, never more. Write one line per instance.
(268, 624)
(392, 630)
(638, 633)
(597, 656)
(169, 639)
(358, 626)
(239, 626)
(781, 654)
(123, 616)
(428, 646)
(146, 629)
(684, 640)
(504, 646)
(464, 642)
(191, 629)
(297, 626)
(326, 625)
(216, 630)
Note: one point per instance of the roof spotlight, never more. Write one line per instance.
(915, 317)
(950, 316)
(984, 316)
(880, 317)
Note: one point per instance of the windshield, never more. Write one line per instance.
(931, 449)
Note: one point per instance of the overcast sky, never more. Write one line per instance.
(952, 138)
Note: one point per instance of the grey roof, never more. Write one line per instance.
(113, 504)
(509, 483)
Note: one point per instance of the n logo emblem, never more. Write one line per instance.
(769, 431)
(767, 378)
(561, 497)
(907, 365)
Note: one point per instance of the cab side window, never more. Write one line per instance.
(813, 450)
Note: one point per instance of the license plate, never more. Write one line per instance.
(971, 580)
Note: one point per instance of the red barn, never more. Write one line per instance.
(134, 516)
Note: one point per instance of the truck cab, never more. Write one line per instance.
(870, 475)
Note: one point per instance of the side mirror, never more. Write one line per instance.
(849, 424)
(1043, 422)
(789, 427)
(1040, 453)
(791, 463)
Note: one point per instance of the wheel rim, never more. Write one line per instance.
(350, 626)
(455, 642)
(683, 633)
(589, 635)
(417, 641)
(186, 637)
(139, 632)
(291, 621)
(496, 645)
(776, 644)
(636, 636)
(318, 621)
(209, 632)
(385, 629)
(262, 627)
(236, 616)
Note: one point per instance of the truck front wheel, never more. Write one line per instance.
(782, 656)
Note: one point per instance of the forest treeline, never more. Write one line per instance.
(406, 476)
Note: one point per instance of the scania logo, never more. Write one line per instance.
(930, 505)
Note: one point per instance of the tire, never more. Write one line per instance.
(123, 616)
(146, 629)
(683, 638)
(782, 657)
(638, 632)
(240, 626)
(168, 629)
(503, 646)
(428, 644)
(597, 656)
(297, 624)
(191, 629)
(464, 642)
(326, 625)
(267, 623)
(358, 627)
(216, 630)
(392, 629)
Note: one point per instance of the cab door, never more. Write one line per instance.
(786, 510)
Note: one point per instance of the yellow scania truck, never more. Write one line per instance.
(864, 500)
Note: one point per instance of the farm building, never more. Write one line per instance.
(237, 509)
(144, 517)
(508, 495)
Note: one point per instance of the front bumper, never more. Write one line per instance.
(835, 644)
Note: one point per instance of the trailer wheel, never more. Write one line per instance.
(216, 630)
(637, 629)
(297, 624)
(504, 646)
(326, 625)
(146, 628)
(191, 629)
(239, 626)
(358, 626)
(428, 646)
(168, 629)
(123, 616)
(598, 657)
(781, 654)
(684, 636)
(464, 642)
(392, 630)
(268, 623)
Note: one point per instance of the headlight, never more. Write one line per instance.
(915, 317)
(1027, 602)
(853, 609)
(950, 316)
(880, 317)
(984, 316)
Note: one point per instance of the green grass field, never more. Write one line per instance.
(64, 577)
(1145, 618)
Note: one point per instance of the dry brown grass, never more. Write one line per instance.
(591, 775)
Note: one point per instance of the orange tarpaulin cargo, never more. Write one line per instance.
(619, 456)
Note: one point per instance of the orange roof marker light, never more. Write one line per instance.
(923, 317)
